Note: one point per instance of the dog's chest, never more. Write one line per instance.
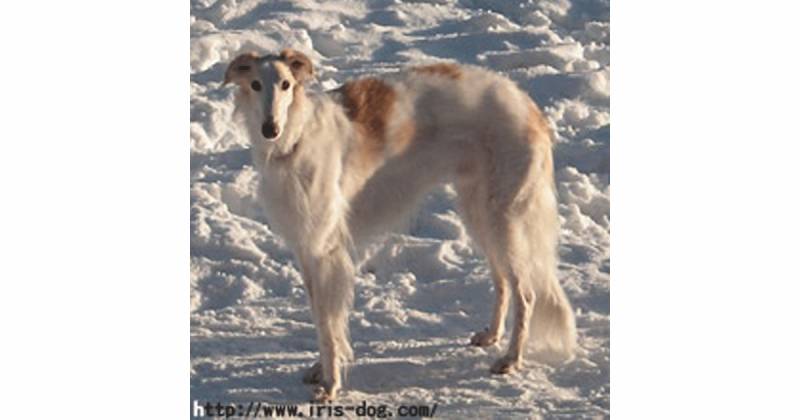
(290, 200)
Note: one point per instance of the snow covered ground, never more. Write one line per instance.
(423, 293)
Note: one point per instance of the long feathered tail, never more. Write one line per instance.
(553, 332)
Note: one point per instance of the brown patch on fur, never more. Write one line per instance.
(368, 103)
(402, 137)
(540, 136)
(447, 70)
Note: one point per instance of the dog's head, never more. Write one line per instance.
(269, 84)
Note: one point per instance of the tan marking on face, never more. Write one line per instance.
(242, 69)
(368, 103)
(450, 71)
(299, 64)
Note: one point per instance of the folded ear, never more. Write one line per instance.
(241, 68)
(299, 63)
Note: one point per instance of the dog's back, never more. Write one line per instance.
(432, 124)
(437, 103)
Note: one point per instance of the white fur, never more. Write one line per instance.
(472, 131)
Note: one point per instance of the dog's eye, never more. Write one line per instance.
(285, 85)
(256, 85)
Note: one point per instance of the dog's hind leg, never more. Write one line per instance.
(522, 226)
(526, 238)
(494, 332)
(472, 199)
(332, 285)
(515, 253)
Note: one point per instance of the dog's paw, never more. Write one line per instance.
(313, 375)
(483, 339)
(324, 393)
(505, 365)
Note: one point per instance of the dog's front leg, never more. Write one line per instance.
(332, 294)
(312, 375)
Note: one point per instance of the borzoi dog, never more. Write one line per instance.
(340, 168)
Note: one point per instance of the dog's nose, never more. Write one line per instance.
(269, 130)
